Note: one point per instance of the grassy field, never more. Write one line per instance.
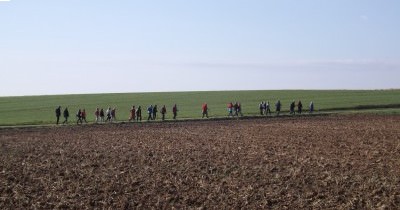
(40, 109)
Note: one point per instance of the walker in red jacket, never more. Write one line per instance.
(205, 110)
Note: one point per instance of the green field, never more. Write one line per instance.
(40, 109)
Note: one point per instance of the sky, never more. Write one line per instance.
(72, 46)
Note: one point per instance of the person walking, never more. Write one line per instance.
(230, 109)
(278, 107)
(239, 109)
(79, 117)
(268, 109)
(58, 114)
(261, 107)
(108, 113)
(299, 107)
(163, 112)
(155, 110)
(66, 115)
(132, 114)
(292, 106)
(204, 109)
(97, 115)
(83, 115)
(139, 114)
(175, 111)
(150, 112)
(102, 115)
(235, 108)
(311, 107)
(114, 114)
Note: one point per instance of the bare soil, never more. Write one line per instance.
(329, 162)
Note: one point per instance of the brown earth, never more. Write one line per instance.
(330, 162)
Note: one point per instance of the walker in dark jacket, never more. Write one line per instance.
(58, 114)
(66, 115)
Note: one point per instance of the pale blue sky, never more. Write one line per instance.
(87, 46)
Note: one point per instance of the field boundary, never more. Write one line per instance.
(183, 120)
(364, 107)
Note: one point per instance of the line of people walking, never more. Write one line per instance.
(109, 113)
(234, 109)
(266, 110)
(136, 113)
(81, 115)
(65, 114)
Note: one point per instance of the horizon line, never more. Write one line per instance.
(186, 91)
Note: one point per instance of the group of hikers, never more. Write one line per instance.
(136, 113)
(81, 115)
(234, 109)
(100, 114)
(266, 110)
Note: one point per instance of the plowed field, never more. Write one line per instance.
(338, 162)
